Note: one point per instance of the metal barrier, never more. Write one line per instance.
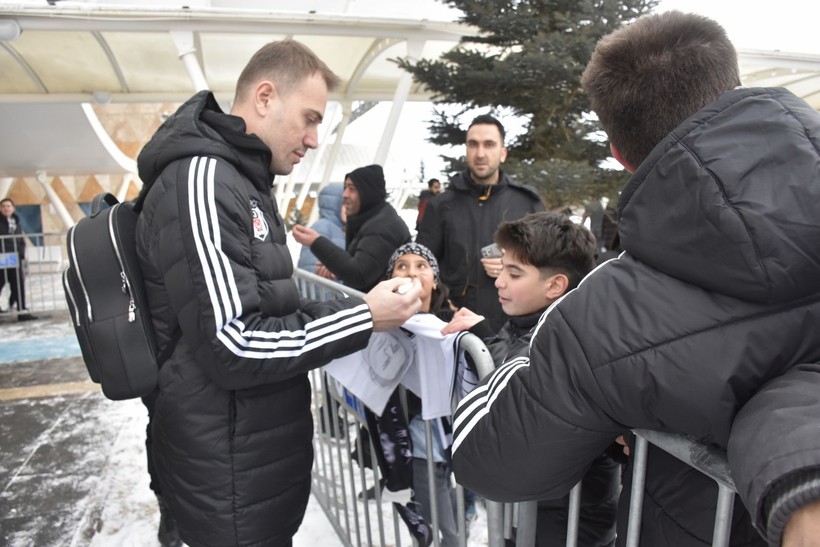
(337, 478)
(39, 273)
(345, 510)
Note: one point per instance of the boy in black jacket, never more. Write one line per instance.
(544, 256)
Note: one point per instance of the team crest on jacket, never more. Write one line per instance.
(260, 225)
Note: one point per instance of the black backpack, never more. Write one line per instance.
(106, 297)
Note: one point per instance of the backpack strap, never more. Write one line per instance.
(96, 205)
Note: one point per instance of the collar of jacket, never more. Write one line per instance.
(355, 222)
(522, 324)
(464, 183)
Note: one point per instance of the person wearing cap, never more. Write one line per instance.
(374, 231)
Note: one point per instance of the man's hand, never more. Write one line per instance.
(321, 270)
(304, 235)
(803, 527)
(389, 307)
(464, 319)
(492, 266)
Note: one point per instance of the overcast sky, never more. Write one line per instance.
(785, 25)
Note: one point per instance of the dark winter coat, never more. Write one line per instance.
(601, 483)
(372, 236)
(458, 222)
(718, 293)
(232, 428)
(12, 244)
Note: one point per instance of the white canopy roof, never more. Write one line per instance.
(56, 55)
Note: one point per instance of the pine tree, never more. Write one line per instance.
(527, 60)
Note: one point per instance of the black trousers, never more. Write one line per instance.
(14, 277)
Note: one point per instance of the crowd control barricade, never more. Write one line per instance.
(40, 271)
(338, 479)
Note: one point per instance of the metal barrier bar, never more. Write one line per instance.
(707, 459)
(40, 273)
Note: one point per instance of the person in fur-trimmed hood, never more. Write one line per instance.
(374, 231)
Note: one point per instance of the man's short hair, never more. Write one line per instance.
(490, 120)
(4, 200)
(431, 182)
(646, 78)
(285, 63)
(552, 243)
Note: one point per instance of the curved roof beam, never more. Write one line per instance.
(115, 66)
(41, 87)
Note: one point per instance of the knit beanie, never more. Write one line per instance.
(369, 182)
(416, 249)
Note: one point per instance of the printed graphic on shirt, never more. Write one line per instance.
(260, 225)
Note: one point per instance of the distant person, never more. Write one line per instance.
(433, 189)
(232, 429)
(544, 256)
(707, 324)
(594, 211)
(461, 221)
(374, 230)
(330, 224)
(13, 247)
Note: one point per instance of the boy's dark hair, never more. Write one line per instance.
(489, 120)
(644, 79)
(431, 182)
(552, 243)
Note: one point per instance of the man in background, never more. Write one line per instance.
(374, 230)
(433, 189)
(13, 249)
(461, 221)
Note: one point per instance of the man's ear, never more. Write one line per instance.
(557, 286)
(503, 153)
(620, 159)
(264, 95)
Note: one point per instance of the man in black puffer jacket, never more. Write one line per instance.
(374, 230)
(461, 220)
(232, 429)
(705, 326)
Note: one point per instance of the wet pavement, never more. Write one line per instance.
(60, 438)
(72, 463)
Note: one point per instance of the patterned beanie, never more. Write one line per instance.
(415, 249)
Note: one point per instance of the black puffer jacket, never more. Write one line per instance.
(232, 429)
(460, 221)
(718, 293)
(601, 483)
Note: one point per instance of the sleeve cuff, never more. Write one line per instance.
(784, 498)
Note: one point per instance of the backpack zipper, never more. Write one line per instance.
(126, 287)
(74, 308)
(80, 278)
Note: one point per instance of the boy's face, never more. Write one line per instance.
(521, 288)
